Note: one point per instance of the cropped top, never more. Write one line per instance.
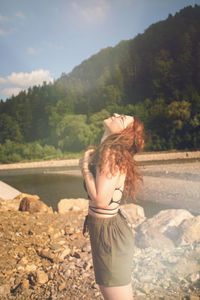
(107, 211)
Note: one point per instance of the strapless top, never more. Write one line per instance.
(106, 211)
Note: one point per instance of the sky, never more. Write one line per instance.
(41, 39)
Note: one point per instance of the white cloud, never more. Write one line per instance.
(11, 91)
(90, 11)
(15, 82)
(29, 79)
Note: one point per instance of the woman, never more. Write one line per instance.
(108, 172)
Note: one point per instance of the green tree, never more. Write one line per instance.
(73, 133)
(163, 77)
(96, 125)
(9, 129)
(179, 113)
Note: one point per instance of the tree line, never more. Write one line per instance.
(155, 76)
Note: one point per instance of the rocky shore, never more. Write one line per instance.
(43, 254)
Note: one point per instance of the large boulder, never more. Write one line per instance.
(23, 195)
(162, 230)
(33, 204)
(25, 202)
(189, 231)
(166, 219)
(14, 204)
(66, 205)
(134, 213)
(154, 239)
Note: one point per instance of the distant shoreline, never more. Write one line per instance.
(141, 158)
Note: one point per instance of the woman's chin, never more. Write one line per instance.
(105, 123)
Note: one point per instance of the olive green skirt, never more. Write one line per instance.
(112, 249)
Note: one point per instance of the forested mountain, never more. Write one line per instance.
(155, 75)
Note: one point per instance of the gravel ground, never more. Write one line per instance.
(176, 185)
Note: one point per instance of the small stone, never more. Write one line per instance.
(25, 283)
(140, 293)
(68, 273)
(23, 261)
(61, 242)
(62, 231)
(86, 248)
(44, 253)
(50, 229)
(80, 264)
(70, 230)
(55, 235)
(194, 277)
(30, 267)
(62, 286)
(51, 275)
(94, 286)
(64, 253)
(55, 247)
(76, 254)
(87, 265)
(172, 259)
(42, 277)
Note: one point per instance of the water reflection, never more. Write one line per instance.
(49, 187)
(53, 187)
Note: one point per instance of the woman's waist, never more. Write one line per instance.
(107, 212)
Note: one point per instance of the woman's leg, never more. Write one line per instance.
(117, 292)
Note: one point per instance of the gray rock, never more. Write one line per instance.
(166, 219)
(134, 213)
(189, 231)
(185, 267)
(66, 205)
(153, 238)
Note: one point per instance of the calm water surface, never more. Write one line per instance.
(52, 187)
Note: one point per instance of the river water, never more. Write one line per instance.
(167, 186)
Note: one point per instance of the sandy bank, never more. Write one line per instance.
(144, 157)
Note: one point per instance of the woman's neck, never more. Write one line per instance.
(105, 135)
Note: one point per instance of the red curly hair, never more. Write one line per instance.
(117, 151)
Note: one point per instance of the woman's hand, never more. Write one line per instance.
(88, 154)
(84, 162)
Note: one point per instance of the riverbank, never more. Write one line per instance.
(141, 158)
